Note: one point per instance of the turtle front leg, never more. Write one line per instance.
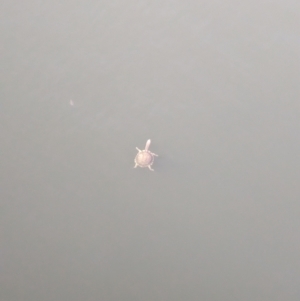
(138, 149)
(150, 168)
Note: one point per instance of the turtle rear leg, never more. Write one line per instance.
(150, 168)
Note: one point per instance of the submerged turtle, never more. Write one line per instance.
(144, 158)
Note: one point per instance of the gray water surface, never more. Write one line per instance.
(214, 85)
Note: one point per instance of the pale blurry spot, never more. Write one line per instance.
(71, 102)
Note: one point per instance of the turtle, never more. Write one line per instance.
(144, 158)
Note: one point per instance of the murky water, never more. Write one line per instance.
(215, 86)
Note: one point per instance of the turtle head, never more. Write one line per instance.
(147, 144)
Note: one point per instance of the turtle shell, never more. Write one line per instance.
(144, 158)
